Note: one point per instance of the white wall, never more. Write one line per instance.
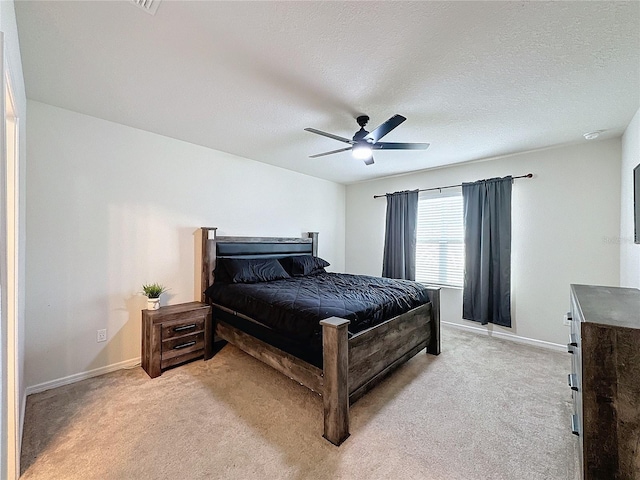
(629, 251)
(13, 63)
(565, 228)
(111, 207)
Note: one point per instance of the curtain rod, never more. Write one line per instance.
(528, 175)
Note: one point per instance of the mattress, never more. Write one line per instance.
(293, 307)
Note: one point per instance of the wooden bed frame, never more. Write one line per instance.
(351, 366)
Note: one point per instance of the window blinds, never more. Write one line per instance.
(440, 240)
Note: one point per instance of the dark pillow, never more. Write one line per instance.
(302, 265)
(254, 270)
(220, 274)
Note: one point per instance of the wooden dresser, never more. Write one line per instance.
(605, 379)
(175, 334)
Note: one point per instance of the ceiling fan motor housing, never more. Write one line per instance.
(360, 134)
(362, 120)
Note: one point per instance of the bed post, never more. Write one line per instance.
(335, 394)
(208, 259)
(434, 297)
(314, 243)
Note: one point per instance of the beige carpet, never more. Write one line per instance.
(485, 409)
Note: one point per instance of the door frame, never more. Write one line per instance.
(10, 431)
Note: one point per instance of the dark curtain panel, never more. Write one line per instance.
(487, 241)
(399, 259)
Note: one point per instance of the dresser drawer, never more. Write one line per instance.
(573, 381)
(182, 327)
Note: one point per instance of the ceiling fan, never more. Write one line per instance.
(363, 142)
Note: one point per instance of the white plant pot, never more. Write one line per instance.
(153, 303)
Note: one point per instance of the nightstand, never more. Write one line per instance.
(175, 334)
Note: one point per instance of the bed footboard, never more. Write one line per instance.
(354, 366)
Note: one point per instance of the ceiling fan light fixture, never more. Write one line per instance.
(361, 152)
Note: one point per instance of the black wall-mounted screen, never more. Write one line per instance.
(636, 202)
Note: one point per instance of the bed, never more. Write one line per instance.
(351, 346)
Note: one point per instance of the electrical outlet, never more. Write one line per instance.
(102, 335)
(565, 320)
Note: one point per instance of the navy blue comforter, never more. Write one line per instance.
(294, 306)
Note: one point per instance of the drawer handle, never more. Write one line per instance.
(574, 425)
(570, 348)
(573, 340)
(184, 345)
(184, 327)
(569, 316)
(573, 381)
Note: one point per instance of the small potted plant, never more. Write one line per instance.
(153, 291)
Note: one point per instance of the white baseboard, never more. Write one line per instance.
(507, 336)
(76, 377)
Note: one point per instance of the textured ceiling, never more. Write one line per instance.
(474, 79)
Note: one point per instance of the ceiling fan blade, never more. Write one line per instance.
(368, 161)
(399, 146)
(329, 153)
(330, 135)
(385, 128)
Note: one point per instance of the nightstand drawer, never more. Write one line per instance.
(182, 327)
(182, 345)
(182, 357)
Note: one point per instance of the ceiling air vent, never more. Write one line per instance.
(149, 6)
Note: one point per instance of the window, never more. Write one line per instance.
(440, 239)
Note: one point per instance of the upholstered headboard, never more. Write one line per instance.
(214, 246)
